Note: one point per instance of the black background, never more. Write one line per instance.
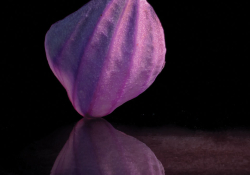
(204, 84)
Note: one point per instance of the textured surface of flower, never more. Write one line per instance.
(106, 53)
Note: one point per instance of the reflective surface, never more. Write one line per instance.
(180, 150)
(95, 147)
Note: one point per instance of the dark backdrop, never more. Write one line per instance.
(204, 84)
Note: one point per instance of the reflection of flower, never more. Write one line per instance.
(95, 147)
(106, 53)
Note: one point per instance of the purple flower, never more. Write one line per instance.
(106, 53)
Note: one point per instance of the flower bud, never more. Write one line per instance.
(106, 53)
